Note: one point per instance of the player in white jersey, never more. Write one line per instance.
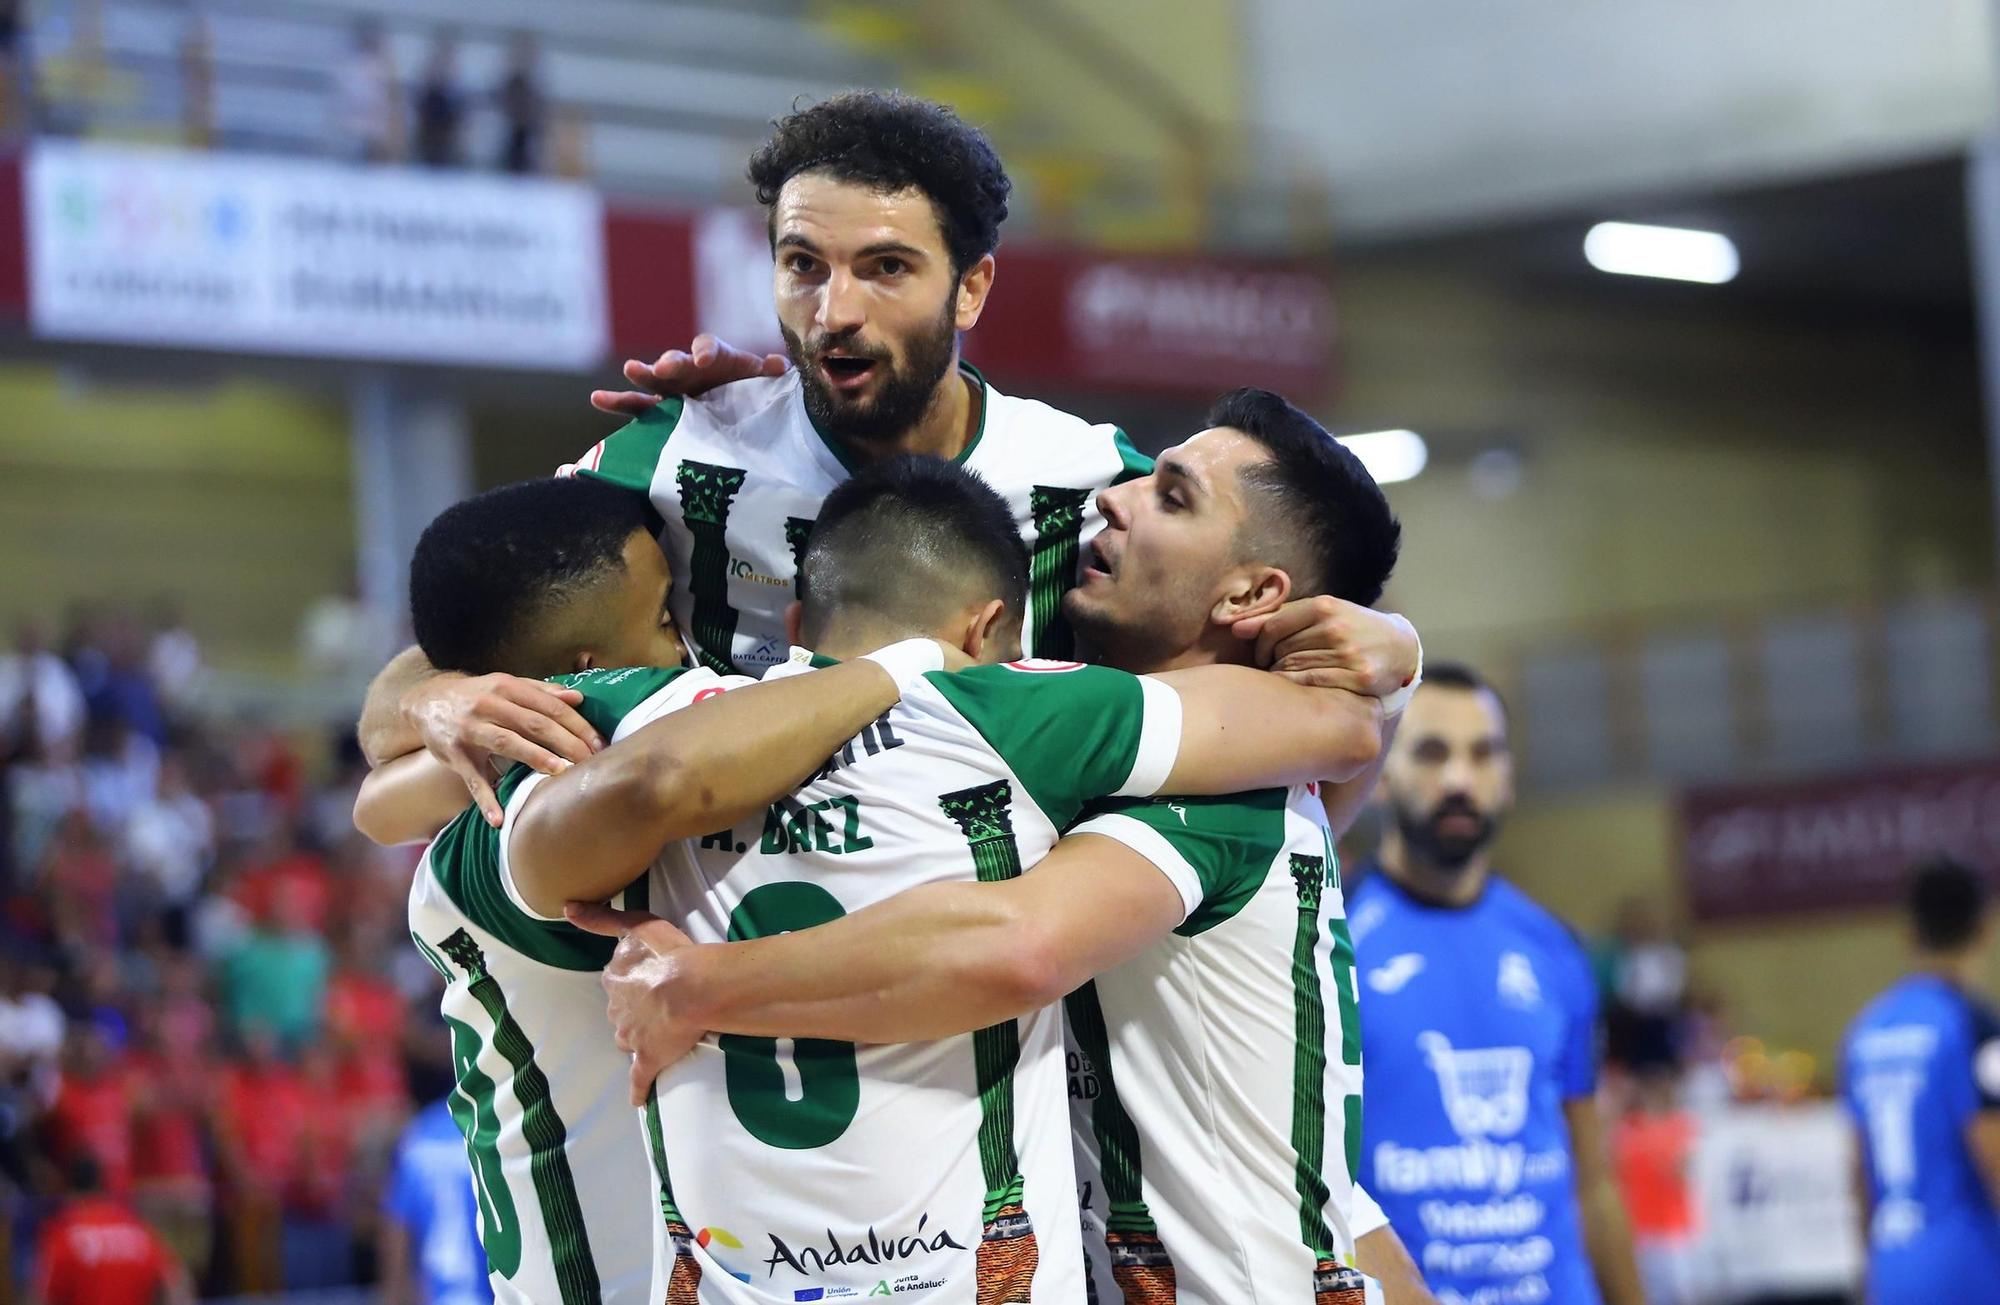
(555, 575)
(1217, 1076)
(884, 212)
(1033, 744)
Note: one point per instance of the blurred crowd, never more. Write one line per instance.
(205, 1007)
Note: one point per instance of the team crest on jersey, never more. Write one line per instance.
(1042, 666)
(1518, 984)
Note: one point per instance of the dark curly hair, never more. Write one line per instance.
(888, 142)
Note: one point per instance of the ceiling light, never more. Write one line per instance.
(1389, 455)
(1674, 253)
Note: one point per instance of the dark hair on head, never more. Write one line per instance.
(488, 569)
(84, 1174)
(905, 539)
(890, 142)
(1458, 675)
(1335, 527)
(1947, 900)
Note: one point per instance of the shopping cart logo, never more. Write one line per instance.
(1485, 1089)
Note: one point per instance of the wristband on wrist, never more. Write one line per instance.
(1392, 706)
(908, 661)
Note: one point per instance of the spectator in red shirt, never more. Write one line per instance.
(288, 875)
(97, 1252)
(1653, 1148)
(92, 1114)
(260, 1114)
(174, 1080)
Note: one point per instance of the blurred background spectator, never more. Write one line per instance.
(440, 106)
(199, 1011)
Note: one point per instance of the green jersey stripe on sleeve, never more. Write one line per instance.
(1309, 1059)
(541, 1126)
(1229, 845)
(630, 455)
(1070, 733)
(465, 861)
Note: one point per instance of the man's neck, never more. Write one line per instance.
(1961, 969)
(844, 643)
(1214, 648)
(1427, 881)
(947, 428)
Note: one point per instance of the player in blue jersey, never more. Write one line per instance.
(1920, 1072)
(430, 1230)
(1480, 1138)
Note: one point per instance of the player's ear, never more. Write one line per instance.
(973, 288)
(795, 623)
(1251, 591)
(986, 633)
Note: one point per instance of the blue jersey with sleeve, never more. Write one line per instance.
(1483, 1018)
(430, 1195)
(1920, 1061)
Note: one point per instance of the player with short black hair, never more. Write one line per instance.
(1324, 518)
(534, 575)
(1920, 1074)
(888, 542)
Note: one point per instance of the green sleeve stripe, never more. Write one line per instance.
(609, 696)
(1070, 733)
(1155, 847)
(631, 454)
(465, 861)
(1132, 464)
(1230, 844)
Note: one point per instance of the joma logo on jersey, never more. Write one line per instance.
(791, 827)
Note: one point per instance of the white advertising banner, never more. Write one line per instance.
(1777, 1211)
(324, 259)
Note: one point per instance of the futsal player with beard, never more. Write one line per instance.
(1488, 1155)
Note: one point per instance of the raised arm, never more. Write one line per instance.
(587, 832)
(464, 720)
(934, 961)
(1247, 729)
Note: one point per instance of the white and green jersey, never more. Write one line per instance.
(738, 475)
(934, 1171)
(566, 1210)
(1216, 1093)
